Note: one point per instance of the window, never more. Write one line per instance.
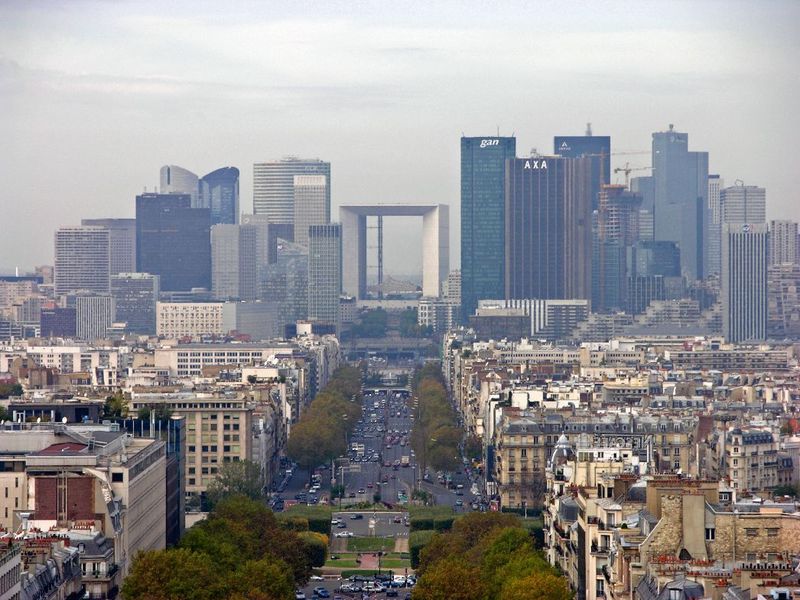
(751, 532)
(117, 477)
(523, 453)
(711, 534)
(772, 531)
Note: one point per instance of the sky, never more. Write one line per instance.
(96, 96)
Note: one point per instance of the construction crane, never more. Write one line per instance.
(627, 169)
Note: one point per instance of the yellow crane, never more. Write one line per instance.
(627, 169)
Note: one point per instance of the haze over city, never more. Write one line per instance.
(98, 96)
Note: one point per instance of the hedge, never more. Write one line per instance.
(416, 542)
(423, 518)
(292, 522)
(319, 517)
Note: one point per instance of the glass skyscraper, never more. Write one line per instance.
(219, 192)
(173, 241)
(483, 218)
(596, 147)
(273, 186)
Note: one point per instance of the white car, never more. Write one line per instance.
(371, 586)
(317, 578)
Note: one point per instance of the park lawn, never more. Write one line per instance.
(395, 563)
(343, 563)
(374, 544)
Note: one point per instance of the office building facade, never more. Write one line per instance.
(744, 282)
(743, 204)
(82, 260)
(122, 234)
(177, 180)
(548, 233)
(233, 262)
(219, 192)
(324, 273)
(782, 242)
(680, 186)
(173, 241)
(595, 147)
(311, 205)
(94, 314)
(483, 218)
(135, 296)
(273, 186)
(714, 229)
(57, 321)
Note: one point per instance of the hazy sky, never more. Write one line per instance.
(96, 96)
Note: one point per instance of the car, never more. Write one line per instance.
(322, 592)
(351, 495)
(349, 588)
(341, 525)
(397, 519)
(362, 491)
(391, 593)
(341, 534)
(459, 502)
(369, 485)
(334, 521)
(317, 578)
(299, 595)
(373, 587)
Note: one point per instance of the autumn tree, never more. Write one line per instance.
(237, 478)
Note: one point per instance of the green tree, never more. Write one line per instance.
(116, 406)
(174, 574)
(264, 579)
(539, 585)
(238, 478)
(451, 579)
(473, 448)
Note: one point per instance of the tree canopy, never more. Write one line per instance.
(435, 437)
(238, 478)
(486, 556)
(239, 552)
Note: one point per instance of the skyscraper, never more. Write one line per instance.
(548, 234)
(219, 192)
(714, 229)
(483, 218)
(617, 229)
(782, 242)
(596, 147)
(680, 183)
(173, 241)
(324, 273)
(743, 204)
(135, 296)
(311, 205)
(123, 242)
(94, 314)
(233, 262)
(82, 260)
(744, 282)
(177, 180)
(273, 186)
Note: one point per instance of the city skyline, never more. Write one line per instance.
(62, 91)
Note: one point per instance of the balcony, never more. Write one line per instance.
(599, 550)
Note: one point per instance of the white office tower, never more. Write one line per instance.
(273, 186)
(744, 282)
(233, 262)
(311, 205)
(93, 316)
(782, 242)
(714, 233)
(743, 204)
(177, 180)
(82, 260)
(325, 273)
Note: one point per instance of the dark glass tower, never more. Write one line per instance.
(219, 192)
(596, 147)
(548, 231)
(483, 218)
(173, 241)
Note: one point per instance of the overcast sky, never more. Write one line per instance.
(96, 96)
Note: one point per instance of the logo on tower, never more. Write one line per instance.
(485, 143)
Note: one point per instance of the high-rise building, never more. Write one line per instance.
(219, 192)
(680, 184)
(782, 242)
(596, 147)
(177, 180)
(645, 187)
(324, 273)
(714, 230)
(744, 282)
(783, 296)
(548, 233)
(83, 260)
(94, 314)
(286, 283)
(617, 229)
(743, 204)
(483, 218)
(654, 273)
(233, 262)
(273, 186)
(311, 205)
(173, 241)
(135, 296)
(57, 321)
(123, 242)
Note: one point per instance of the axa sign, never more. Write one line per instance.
(485, 143)
(535, 164)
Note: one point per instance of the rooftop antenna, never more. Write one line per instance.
(498, 131)
(589, 129)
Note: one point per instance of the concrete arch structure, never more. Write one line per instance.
(435, 244)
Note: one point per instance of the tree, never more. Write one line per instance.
(473, 448)
(10, 389)
(451, 579)
(265, 579)
(174, 574)
(540, 585)
(252, 379)
(116, 406)
(238, 478)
